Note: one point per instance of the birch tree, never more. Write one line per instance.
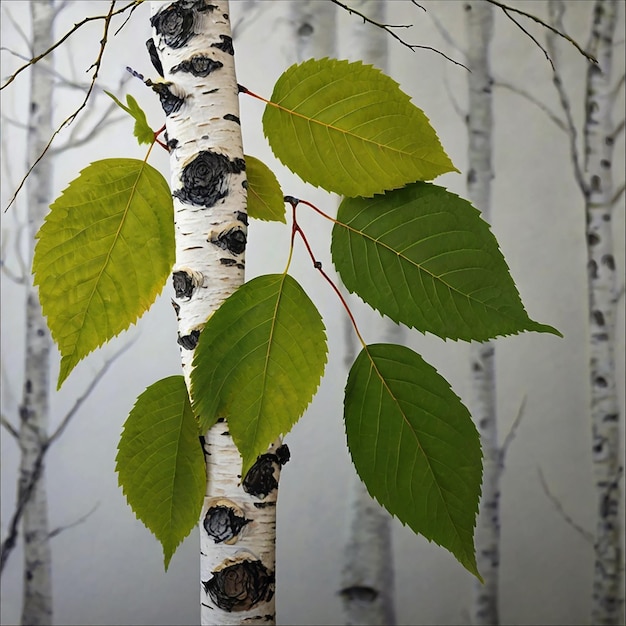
(479, 17)
(253, 353)
(367, 576)
(593, 173)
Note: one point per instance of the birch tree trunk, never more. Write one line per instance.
(34, 409)
(208, 179)
(595, 181)
(479, 15)
(313, 25)
(367, 577)
(608, 598)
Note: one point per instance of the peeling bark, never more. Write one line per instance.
(199, 95)
(34, 409)
(479, 16)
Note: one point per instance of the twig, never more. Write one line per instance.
(556, 14)
(72, 30)
(10, 428)
(585, 534)
(538, 103)
(618, 90)
(26, 491)
(506, 9)
(388, 28)
(445, 34)
(512, 431)
(59, 529)
(95, 66)
(618, 193)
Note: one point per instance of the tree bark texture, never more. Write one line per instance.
(199, 95)
(34, 409)
(608, 590)
(367, 576)
(313, 25)
(479, 16)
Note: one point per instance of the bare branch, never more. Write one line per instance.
(508, 9)
(619, 192)
(95, 66)
(585, 534)
(532, 99)
(92, 385)
(10, 428)
(59, 529)
(618, 90)
(512, 431)
(18, 29)
(556, 16)
(618, 130)
(77, 26)
(388, 28)
(445, 34)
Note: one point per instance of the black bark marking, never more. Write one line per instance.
(154, 57)
(176, 308)
(242, 217)
(170, 102)
(232, 239)
(598, 317)
(283, 454)
(205, 179)
(359, 593)
(261, 479)
(471, 176)
(231, 262)
(592, 239)
(28, 385)
(175, 22)
(592, 268)
(600, 381)
(183, 284)
(172, 143)
(190, 341)
(232, 118)
(240, 586)
(611, 417)
(222, 523)
(226, 45)
(305, 30)
(596, 183)
(198, 65)
(608, 260)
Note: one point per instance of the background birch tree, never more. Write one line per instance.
(593, 171)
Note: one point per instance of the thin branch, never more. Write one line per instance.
(10, 428)
(388, 28)
(532, 99)
(92, 385)
(585, 534)
(557, 16)
(618, 130)
(506, 9)
(74, 28)
(619, 192)
(512, 431)
(618, 90)
(25, 493)
(59, 529)
(445, 34)
(96, 66)
(18, 29)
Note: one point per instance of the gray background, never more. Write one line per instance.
(108, 570)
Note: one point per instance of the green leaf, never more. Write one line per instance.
(348, 128)
(258, 363)
(103, 254)
(160, 463)
(142, 130)
(265, 197)
(424, 257)
(415, 446)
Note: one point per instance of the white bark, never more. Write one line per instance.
(484, 610)
(595, 180)
(608, 590)
(313, 25)
(200, 99)
(34, 410)
(367, 581)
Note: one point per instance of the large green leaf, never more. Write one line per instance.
(103, 254)
(265, 197)
(258, 362)
(348, 128)
(424, 257)
(415, 446)
(160, 463)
